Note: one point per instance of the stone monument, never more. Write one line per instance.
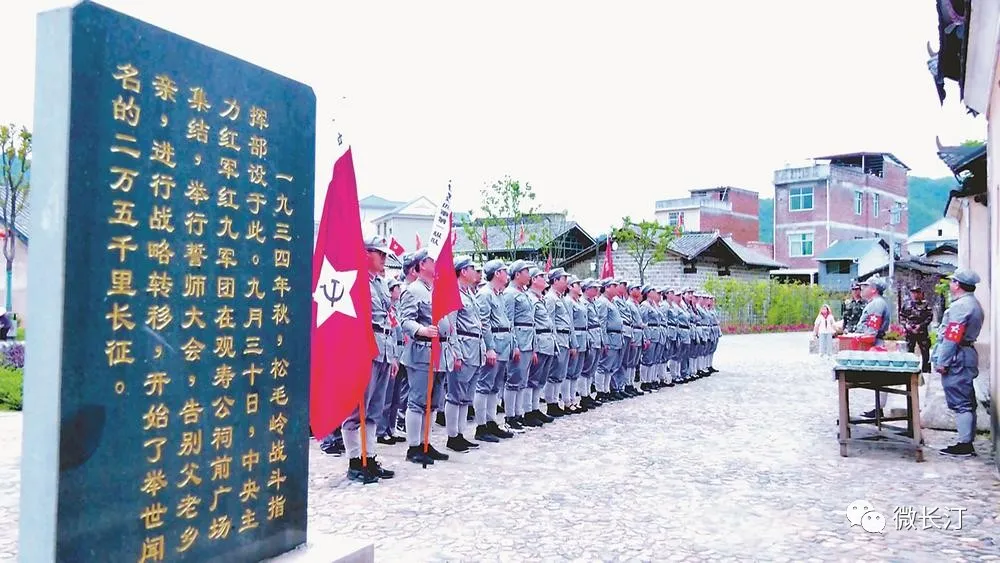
(166, 398)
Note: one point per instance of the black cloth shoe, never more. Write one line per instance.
(334, 449)
(436, 455)
(416, 455)
(356, 472)
(554, 411)
(472, 413)
(542, 417)
(440, 418)
(455, 444)
(399, 439)
(387, 440)
(376, 469)
(494, 429)
(961, 449)
(871, 414)
(669, 383)
(514, 422)
(483, 434)
(529, 419)
(469, 444)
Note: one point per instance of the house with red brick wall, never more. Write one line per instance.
(838, 197)
(731, 212)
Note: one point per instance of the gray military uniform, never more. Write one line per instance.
(955, 353)
(545, 348)
(470, 349)
(612, 325)
(498, 335)
(562, 322)
(521, 312)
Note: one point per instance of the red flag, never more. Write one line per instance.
(486, 239)
(522, 235)
(396, 248)
(608, 268)
(445, 297)
(343, 344)
(548, 263)
(418, 241)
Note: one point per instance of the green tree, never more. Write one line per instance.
(647, 242)
(507, 205)
(973, 143)
(15, 162)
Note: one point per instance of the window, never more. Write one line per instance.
(800, 244)
(859, 203)
(838, 267)
(800, 199)
(675, 218)
(875, 205)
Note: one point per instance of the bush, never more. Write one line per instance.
(767, 303)
(20, 333)
(13, 356)
(11, 388)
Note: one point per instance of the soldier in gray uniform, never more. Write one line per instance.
(545, 351)
(470, 354)
(562, 321)
(572, 390)
(875, 321)
(716, 332)
(956, 359)
(497, 333)
(650, 311)
(619, 380)
(521, 312)
(669, 331)
(592, 290)
(370, 471)
(705, 327)
(415, 316)
(394, 397)
(682, 370)
(640, 342)
(610, 360)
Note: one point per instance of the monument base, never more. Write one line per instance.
(324, 548)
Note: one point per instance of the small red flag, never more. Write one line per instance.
(486, 238)
(396, 248)
(343, 345)
(548, 263)
(608, 268)
(418, 241)
(522, 235)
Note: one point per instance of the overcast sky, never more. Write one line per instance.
(604, 107)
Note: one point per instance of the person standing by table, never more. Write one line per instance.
(824, 328)
(916, 316)
(853, 308)
(956, 359)
(875, 322)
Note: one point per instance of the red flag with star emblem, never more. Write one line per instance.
(343, 343)
(396, 248)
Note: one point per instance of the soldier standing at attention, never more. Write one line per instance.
(497, 334)
(581, 339)
(545, 350)
(383, 368)
(415, 316)
(640, 342)
(682, 371)
(716, 332)
(853, 308)
(619, 379)
(614, 341)
(956, 358)
(592, 290)
(393, 398)
(916, 317)
(650, 311)
(562, 321)
(671, 346)
(521, 312)
(470, 355)
(875, 321)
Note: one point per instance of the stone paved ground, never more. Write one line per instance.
(742, 465)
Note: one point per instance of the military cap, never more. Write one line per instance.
(687, 290)
(493, 266)
(667, 290)
(406, 260)
(393, 283)
(634, 285)
(877, 282)
(419, 256)
(463, 262)
(916, 288)
(573, 279)
(556, 273)
(519, 265)
(589, 283)
(647, 288)
(965, 277)
(535, 271)
(608, 281)
(377, 244)
(855, 285)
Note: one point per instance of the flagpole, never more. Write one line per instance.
(364, 433)
(430, 389)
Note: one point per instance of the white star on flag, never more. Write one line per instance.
(333, 293)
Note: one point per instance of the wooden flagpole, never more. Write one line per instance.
(364, 433)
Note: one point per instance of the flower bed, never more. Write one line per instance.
(761, 329)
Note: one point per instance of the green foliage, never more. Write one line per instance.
(646, 242)
(508, 204)
(766, 215)
(926, 200)
(11, 388)
(767, 302)
(15, 165)
(20, 333)
(973, 143)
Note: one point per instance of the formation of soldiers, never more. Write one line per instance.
(522, 336)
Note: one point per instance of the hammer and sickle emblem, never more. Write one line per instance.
(338, 292)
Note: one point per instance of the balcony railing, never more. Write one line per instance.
(805, 174)
(692, 202)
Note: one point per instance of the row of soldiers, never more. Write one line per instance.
(521, 336)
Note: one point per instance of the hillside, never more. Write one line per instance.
(927, 199)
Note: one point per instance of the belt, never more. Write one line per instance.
(683, 326)
(378, 328)
(426, 339)
(529, 325)
(614, 331)
(469, 334)
(967, 344)
(653, 324)
(501, 329)
(562, 331)
(593, 326)
(542, 331)
(581, 327)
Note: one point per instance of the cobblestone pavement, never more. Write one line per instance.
(742, 465)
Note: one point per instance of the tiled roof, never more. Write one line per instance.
(750, 256)
(848, 249)
(498, 236)
(692, 244)
(376, 201)
(957, 158)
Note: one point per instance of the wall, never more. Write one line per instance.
(836, 282)
(20, 282)
(692, 217)
(761, 247)
(988, 345)
(669, 273)
(742, 229)
(748, 203)
(405, 229)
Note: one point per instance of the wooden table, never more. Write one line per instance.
(854, 431)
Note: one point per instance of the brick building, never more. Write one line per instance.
(730, 211)
(838, 197)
